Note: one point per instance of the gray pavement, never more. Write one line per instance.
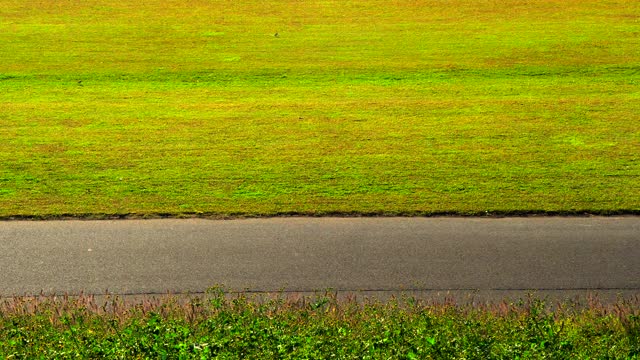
(373, 255)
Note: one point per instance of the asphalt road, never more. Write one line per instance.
(307, 254)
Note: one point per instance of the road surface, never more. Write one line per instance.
(549, 254)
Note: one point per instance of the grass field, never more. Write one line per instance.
(318, 107)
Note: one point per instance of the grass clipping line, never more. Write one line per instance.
(219, 324)
(223, 216)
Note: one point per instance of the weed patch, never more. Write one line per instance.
(237, 326)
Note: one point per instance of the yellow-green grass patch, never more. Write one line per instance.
(319, 107)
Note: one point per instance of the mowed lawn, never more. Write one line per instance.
(247, 107)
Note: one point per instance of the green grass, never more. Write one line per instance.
(319, 327)
(375, 107)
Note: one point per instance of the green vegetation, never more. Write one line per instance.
(314, 327)
(356, 107)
